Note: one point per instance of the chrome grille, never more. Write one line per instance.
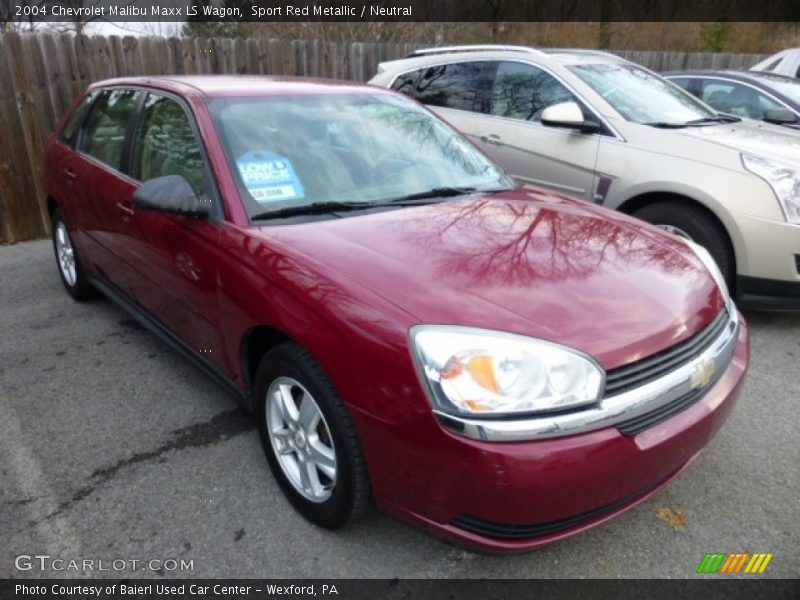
(635, 374)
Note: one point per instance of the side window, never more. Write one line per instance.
(166, 144)
(69, 134)
(715, 92)
(405, 83)
(522, 91)
(104, 133)
(773, 65)
(681, 82)
(451, 86)
(737, 99)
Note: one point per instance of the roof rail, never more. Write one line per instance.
(587, 52)
(474, 48)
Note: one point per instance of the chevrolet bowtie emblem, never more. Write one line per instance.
(702, 374)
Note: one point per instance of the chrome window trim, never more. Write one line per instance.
(610, 411)
(615, 134)
(733, 81)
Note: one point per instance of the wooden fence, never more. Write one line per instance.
(40, 75)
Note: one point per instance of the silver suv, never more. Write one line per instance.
(786, 63)
(593, 125)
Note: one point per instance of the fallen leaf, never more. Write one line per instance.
(676, 518)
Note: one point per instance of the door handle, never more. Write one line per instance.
(70, 174)
(492, 138)
(127, 210)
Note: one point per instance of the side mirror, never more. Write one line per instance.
(568, 115)
(780, 116)
(170, 193)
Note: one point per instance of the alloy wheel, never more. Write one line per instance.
(301, 439)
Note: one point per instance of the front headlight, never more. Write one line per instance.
(477, 372)
(782, 178)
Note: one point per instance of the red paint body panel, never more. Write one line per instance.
(525, 261)
(549, 480)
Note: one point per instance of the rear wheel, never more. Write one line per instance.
(693, 222)
(69, 265)
(311, 444)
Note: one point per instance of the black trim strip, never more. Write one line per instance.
(651, 419)
(165, 335)
(511, 531)
(768, 294)
(636, 374)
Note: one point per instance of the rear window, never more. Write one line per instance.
(451, 86)
(107, 125)
(69, 134)
(406, 83)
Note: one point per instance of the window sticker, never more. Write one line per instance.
(269, 177)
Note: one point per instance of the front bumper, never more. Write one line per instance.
(506, 497)
(769, 264)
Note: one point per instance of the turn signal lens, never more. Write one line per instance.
(481, 372)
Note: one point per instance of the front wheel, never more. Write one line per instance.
(692, 222)
(310, 443)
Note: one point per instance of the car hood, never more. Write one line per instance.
(763, 139)
(523, 261)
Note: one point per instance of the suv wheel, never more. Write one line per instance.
(692, 222)
(311, 444)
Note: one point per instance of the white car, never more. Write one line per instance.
(786, 62)
(593, 125)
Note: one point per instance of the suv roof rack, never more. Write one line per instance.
(474, 48)
(584, 51)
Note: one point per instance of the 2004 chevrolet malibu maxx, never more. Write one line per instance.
(500, 364)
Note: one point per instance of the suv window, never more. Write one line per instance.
(522, 91)
(736, 99)
(166, 144)
(104, 134)
(406, 82)
(69, 134)
(450, 86)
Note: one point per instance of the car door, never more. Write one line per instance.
(176, 265)
(67, 164)
(102, 185)
(513, 134)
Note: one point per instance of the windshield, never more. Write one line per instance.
(788, 87)
(292, 151)
(641, 96)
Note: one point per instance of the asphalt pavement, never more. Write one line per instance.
(114, 447)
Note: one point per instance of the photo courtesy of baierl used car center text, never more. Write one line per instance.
(399, 299)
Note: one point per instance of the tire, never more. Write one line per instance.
(69, 265)
(695, 223)
(296, 441)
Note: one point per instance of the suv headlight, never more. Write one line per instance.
(784, 181)
(483, 373)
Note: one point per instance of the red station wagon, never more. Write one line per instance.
(499, 364)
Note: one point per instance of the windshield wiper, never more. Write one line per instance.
(720, 118)
(444, 192)
(666, 125)
(315, 208)
(418, 198)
